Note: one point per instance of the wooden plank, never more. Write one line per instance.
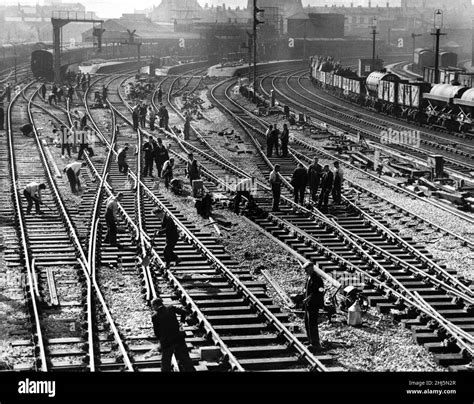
(52, 287)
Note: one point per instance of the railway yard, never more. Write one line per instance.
(399, 246)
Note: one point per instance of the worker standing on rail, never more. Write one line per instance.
(142, 115)
(167, 172)
(135, 116)
(161, 155)
(299, 180)
(285, 137)
(32, 193)
(314, 178)
(160, 94)
(73, 171)
(83, 121)
(122, 160)
(193, 170)
(313, 302)
(338, 180)
(187, 125)
(275, 134)
(8, 92)
(172, 338)
(2, 116)
(148, 151)
(88, 78)
(326, 186)
(82, 139)
(104, 94)
(65, 140)
(268, 137)
(151, 116)
(275, 183)
(111, 210)
(169, 229)
(164, 117)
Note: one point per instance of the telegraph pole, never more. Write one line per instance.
(256, 21)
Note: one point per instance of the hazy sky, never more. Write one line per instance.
(115, 8)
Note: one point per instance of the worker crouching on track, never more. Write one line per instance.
(243, 189)
(313, 301)
(122, 160)
(73, 171)
(111, 210)
(172, 338)
(167, 172)
(32, 193)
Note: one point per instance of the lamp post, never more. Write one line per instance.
(438, 24)
(374, 33)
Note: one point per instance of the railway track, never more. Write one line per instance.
(411, 273)
(237, 307)
(457, 162)
(319, 152)
(402, 265)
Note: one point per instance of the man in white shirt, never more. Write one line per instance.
(72, 171)
(32, 193)
(275, 183)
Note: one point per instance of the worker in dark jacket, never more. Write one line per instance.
(299, 181)
(171, 337)
(32, 193)
(326, 186)
(42, 91)
(148, 149)
(168, 227)
(111, 218)
(135, 116)
(104, 94)
(285, 137)
(160, 94)
(142, 110)
(275, 134)
(193, 170)
(122, 160)
(314, 178)
(161, 155)
(313, 302)
(2, 116)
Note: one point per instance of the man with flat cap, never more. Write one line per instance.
(313, 301)
(171, 337)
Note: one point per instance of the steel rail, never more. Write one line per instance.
(322, 218)
(317, 365)
(235, 365)
(85, 266)
(38, 341)
(361, 129)
(372, 176)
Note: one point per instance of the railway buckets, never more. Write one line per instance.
(354, 315)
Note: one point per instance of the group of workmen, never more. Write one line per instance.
(274, 136)
(316, 177)
(143, 112)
